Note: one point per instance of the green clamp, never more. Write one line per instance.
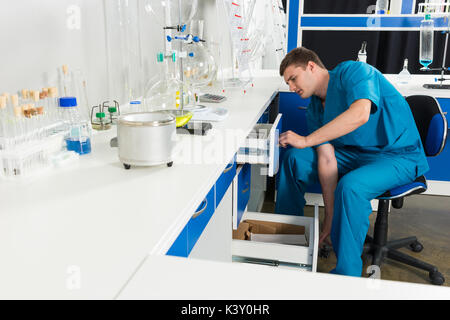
(100, 115)
(112, 109)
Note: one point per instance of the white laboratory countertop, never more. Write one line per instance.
(206, 280)
(82, 232)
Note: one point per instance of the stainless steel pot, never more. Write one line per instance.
(146, 139)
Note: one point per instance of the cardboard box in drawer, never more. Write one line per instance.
(271, 232)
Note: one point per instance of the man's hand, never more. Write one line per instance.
(293, 139)
(324, 237)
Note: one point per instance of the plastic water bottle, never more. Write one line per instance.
(79, 137)
(382, 6)
(404, 76)
(426, 41)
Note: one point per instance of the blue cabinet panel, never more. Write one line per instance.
(294, 119)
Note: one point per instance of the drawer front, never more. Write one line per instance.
(241, 193)
(225, 181)
(263, 149)
(290, 254)
(439, 164)
(190, 234)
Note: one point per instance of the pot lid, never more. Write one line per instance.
(148, 119)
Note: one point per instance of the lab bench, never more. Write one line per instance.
(97, 231)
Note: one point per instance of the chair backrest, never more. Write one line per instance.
(430, 122)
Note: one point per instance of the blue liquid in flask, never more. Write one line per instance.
(80, 146)
(426, 63)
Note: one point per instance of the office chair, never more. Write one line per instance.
(432, 127)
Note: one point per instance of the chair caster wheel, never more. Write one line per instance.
(127, 166)
(416, 246)
(437, 278)
(170, 164)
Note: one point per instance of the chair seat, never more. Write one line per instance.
(417, 186)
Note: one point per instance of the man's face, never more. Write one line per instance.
(300, 80)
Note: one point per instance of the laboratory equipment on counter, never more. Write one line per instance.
(168, 92)
(201, 69)
(146, 139)
(172, 14)
(212, 98)
(426, 42)
(382, 6)
(113, 111)
(362, 54)
(211, 114)
(79, 136)
(182, 117)
(99, 121)
(433, 9)
(404, 76)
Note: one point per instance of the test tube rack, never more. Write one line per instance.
(27, 154)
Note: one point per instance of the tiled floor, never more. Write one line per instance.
(427, 218)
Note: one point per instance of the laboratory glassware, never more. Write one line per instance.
(79, 137)
(404, 76)
(200, 69)
(426, 42)
(168, 92)
(382, 6)
(362, 54)
(170, 13)
(99, 121)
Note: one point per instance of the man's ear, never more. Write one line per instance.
(311, 66)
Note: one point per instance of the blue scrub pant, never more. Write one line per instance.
(363, 177)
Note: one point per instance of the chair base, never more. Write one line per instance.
(380, 252)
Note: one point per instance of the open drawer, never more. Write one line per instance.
(261, 146)
(277, 254)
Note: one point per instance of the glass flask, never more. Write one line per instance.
(168, 92)
(404, 76)
(167, 12)
(200, 69)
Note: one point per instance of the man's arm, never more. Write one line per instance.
(328, 176)
(354, 117)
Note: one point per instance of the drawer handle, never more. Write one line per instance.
(228, 168)
(303, 108)
(245, 190)
(203, 207)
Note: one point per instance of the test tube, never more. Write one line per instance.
(3, 116)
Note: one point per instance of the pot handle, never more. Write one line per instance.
(114, 143)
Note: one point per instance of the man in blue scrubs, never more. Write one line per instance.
(363, 141)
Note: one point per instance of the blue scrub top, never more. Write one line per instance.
(391, 129)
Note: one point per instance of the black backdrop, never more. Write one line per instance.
(386, 50)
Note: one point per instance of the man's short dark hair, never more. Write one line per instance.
(300, 57)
